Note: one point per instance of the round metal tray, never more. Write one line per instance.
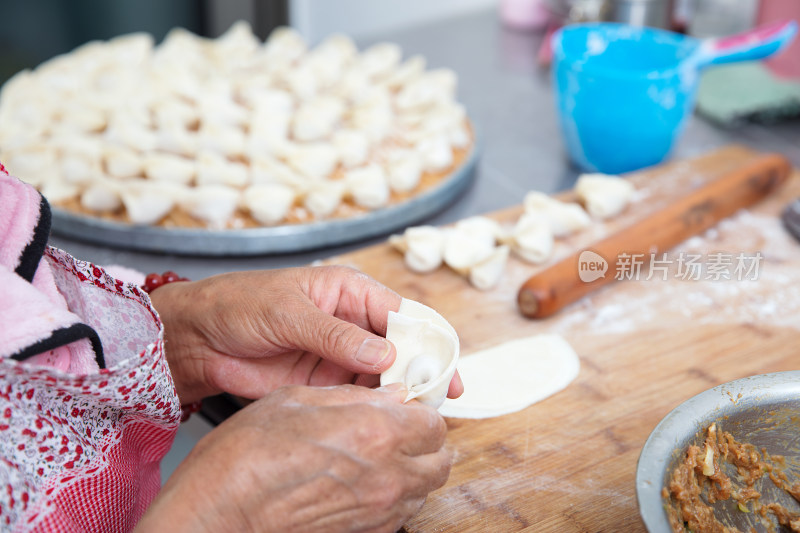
(268, 240)
(762, 410)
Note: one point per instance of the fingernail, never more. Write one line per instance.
(372, 351)
(392, 387)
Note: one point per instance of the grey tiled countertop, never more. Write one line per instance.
(509, 98)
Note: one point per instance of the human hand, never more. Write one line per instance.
(309, 459)
(249, 333)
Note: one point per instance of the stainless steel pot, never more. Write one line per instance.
(655, 13)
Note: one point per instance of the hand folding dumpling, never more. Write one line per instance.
(427, 352)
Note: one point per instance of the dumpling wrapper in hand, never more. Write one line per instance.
(427, 352)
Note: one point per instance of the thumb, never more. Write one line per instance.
(344, 343)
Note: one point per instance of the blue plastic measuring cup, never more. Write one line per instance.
(624, 93)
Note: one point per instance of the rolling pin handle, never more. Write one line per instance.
(528, 303)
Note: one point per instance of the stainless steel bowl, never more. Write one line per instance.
(763, 410)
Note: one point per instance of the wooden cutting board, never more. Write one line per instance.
(568, 463)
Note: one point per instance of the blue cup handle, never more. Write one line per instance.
(755, 44)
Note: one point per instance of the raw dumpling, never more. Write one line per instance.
(224, 139)
(531, 239)
(269, 131)
(36, 163)
(316, 119)
(122, 162)
(368, 186)
(302, 80)
(380, 59)
(330, 57)
(269, 203)
(324, 197)
(78, 169)
(214, 169)
(564, 218)
(314, 160)
(169, 168)
(82, 118)
(174, 113)
(177, 140)
(428, 89)
(603, 196)
(284, 46)
(422, 247)
(436, 153)
(353, 147)
(412, 69)
(486, 274)
(427, 352)
(56, 190)
(469, 242)
(267, 169)
(217, 107)
(482, 228)
(147, 202)
(101, 195)
(132, 135)
(212, 203)
(403, 169)
(373, 120)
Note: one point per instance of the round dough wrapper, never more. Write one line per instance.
(511, 376)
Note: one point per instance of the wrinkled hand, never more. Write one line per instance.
(249, 333)
(309, 459)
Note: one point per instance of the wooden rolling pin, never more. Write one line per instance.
(559, 285)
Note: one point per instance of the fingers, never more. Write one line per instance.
(341, 342)
(367, 380)
(456, 387)
(360, 299)
(420, 475)
(327, 373)
(379, 301)
(413, 428)
(343, 395)
(423, 429)
(401, 444)
(432, 471)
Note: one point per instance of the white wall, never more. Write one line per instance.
(316, 19)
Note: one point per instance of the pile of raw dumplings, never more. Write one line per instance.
(478, 247)
(276, 131)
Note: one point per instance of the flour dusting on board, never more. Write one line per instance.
(770, 298)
